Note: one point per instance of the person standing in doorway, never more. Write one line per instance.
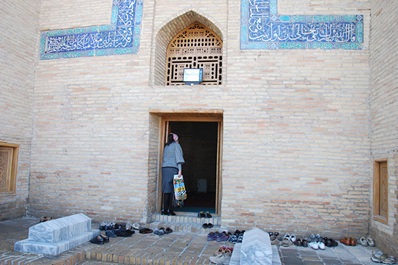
(173, 160)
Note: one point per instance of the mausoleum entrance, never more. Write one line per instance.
(200, 139)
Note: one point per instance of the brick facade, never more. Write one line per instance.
(297, 151)
(384, 112)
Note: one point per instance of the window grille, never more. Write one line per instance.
(195, 47)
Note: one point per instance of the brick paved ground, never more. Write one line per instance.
(174, 248)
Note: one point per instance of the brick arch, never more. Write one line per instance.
(167, 33)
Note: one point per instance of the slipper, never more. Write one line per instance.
(145, 231)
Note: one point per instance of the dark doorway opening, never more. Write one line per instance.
(199, 141)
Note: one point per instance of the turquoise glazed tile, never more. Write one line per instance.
(263, 28)
(122, 36)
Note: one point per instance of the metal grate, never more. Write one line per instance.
(195, 47)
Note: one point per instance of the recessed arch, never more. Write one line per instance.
(167, 33)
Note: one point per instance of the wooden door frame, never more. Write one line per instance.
(191, 116)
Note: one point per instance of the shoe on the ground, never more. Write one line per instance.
(221, 259)
(304, 243)
(286, 236)
(380, 257)
(224, 250)
(233, 239)
(286, 242)
(124, 233)
(97, 240)
(352, 241)
(201, 215)
(314, 245)
(168, 230)
(321, 245)
(159, 232)
(222, 237)
(136, 226)
(297, 242)
(145, 231)
(370, 242)
(110, 233)
(45, 219)
(105, 238)
(275, 242)
(208, 215)
(293, 238)
(211, 236)
(363, 241)
(332, 243)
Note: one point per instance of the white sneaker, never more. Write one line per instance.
(293, 238)
(321, 245)
(314, 245)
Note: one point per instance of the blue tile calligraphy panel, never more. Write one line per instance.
(121, 36)
(263, 28)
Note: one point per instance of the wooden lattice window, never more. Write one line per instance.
(380, 191)
(195, 47)
(8, 167)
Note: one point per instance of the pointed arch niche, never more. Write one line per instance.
(188, 41)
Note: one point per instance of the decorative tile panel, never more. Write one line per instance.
(263, 28)
(122, 36)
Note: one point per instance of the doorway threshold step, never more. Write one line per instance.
(185, 223)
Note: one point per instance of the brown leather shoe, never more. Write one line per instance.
(352, 241)
(345, 241)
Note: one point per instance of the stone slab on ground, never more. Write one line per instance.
(57, 236)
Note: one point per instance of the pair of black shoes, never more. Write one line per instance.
(168, 212)
(207, 225)
(204, 215)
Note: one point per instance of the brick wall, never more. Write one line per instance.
(18, 56)
(384, 111)
(295, 151)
